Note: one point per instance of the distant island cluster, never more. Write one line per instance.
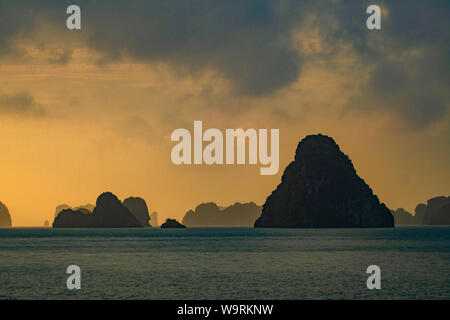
(435, 212)
(110, 212)
(319, 189)
(210, 215)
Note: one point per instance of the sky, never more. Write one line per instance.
(92, 110)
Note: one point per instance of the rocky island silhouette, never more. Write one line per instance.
(109, 212)
(403, 217)
(139, 208)
(172, 223)
(210, 214)
(435, 212)
(5, 217)
(321, 189)
(86, 208)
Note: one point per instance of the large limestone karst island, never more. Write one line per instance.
(109, 212)
(5, 217)
(320, 189)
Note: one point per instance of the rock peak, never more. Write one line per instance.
(321, 147)
(314, 140)
(106, 197)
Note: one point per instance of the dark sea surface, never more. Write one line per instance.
(225, 263)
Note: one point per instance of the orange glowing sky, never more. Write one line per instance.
(72, 130)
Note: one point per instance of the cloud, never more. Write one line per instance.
(20, 104)
(13, 23)
(408, 88)
(247, 42)
(404, 67)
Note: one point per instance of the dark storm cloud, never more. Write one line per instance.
(409, 59)
(245, 41)
(411, 88)
(249, 43)
(20, 104)
(14, 22)
(19, 22)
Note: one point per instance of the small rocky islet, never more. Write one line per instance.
(172, 223)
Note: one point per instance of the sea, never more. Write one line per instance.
(225, 263)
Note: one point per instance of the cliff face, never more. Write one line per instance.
(442, 217)
(139, 208)
(109, 212)
(433, 208)
(420, 211)
(5, 217)
(209, 214)
(320, 188)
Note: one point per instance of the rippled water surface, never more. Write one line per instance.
(225, 263)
